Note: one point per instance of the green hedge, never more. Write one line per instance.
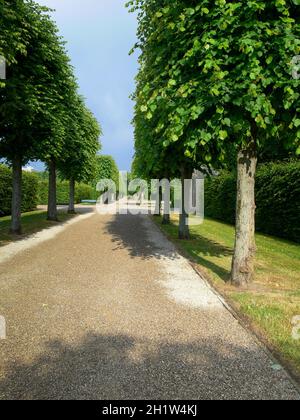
(277, 199)
(82, 192)
(29, 191)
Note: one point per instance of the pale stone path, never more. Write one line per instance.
(107, 309)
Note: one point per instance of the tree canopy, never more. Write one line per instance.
(106, 168)
(212, 71)
(79, 160)
(42, 116)
(216, 81)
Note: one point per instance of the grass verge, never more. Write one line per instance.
(272, 302)
(32, 222)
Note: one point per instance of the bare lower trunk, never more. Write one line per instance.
(71, 209)
(166, 201)
(166, 219)
(184, 230)
(243, 260)
(16, 196)
(52, 207)
(158, 202)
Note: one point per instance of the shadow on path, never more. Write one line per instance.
(130, 232)
(120, 367)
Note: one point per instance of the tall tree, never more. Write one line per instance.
(219, 74)
(169, 96)
(32, 99)
(20, 23)
(244, 55)
(106, 168)
(79, 161)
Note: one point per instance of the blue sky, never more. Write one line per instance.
(99, 36)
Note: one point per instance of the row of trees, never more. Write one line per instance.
(42, 116)
(215, 81)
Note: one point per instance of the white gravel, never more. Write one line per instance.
(183, 285)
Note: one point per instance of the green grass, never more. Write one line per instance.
(274, 298)
(32, 222)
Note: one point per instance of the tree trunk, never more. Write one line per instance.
(52, 207)
(166, 219)
(158, 202)
(184, 231)
(243, 260)
(71, 209)
(166, 201)
(16, 196)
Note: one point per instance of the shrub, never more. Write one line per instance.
(5, 190)
(277, 199)
(82, 192)
(29, 191)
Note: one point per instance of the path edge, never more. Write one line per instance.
(243, 321)
(15, 248)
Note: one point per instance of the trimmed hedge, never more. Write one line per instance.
(82, 192)
(29, 191)
(277, 199)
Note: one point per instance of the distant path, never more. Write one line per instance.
(108, 310)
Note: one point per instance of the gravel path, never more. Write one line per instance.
(108, 310)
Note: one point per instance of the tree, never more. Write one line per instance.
(245, 55)
(78, 162)
(33, 96)
(169, 98)
(150, 161)
(17, 101)
(60, 90)
(106, 168)
(219, 75)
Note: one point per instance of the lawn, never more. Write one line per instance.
(272, 301)
(32, 222)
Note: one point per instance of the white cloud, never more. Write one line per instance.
(86, 9)
(28, 168)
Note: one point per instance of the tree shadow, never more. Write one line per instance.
(211, 248)
(216, 269)
(201, 247)
(134, 233)
(113, 367)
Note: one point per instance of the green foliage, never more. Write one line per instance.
(277, 199)
(29, 193)
(220, 197)
(82, 192)
(78, 162)
(213, 76)
(42, 116)
(106, 168)
(12, 42)
(34, 98)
